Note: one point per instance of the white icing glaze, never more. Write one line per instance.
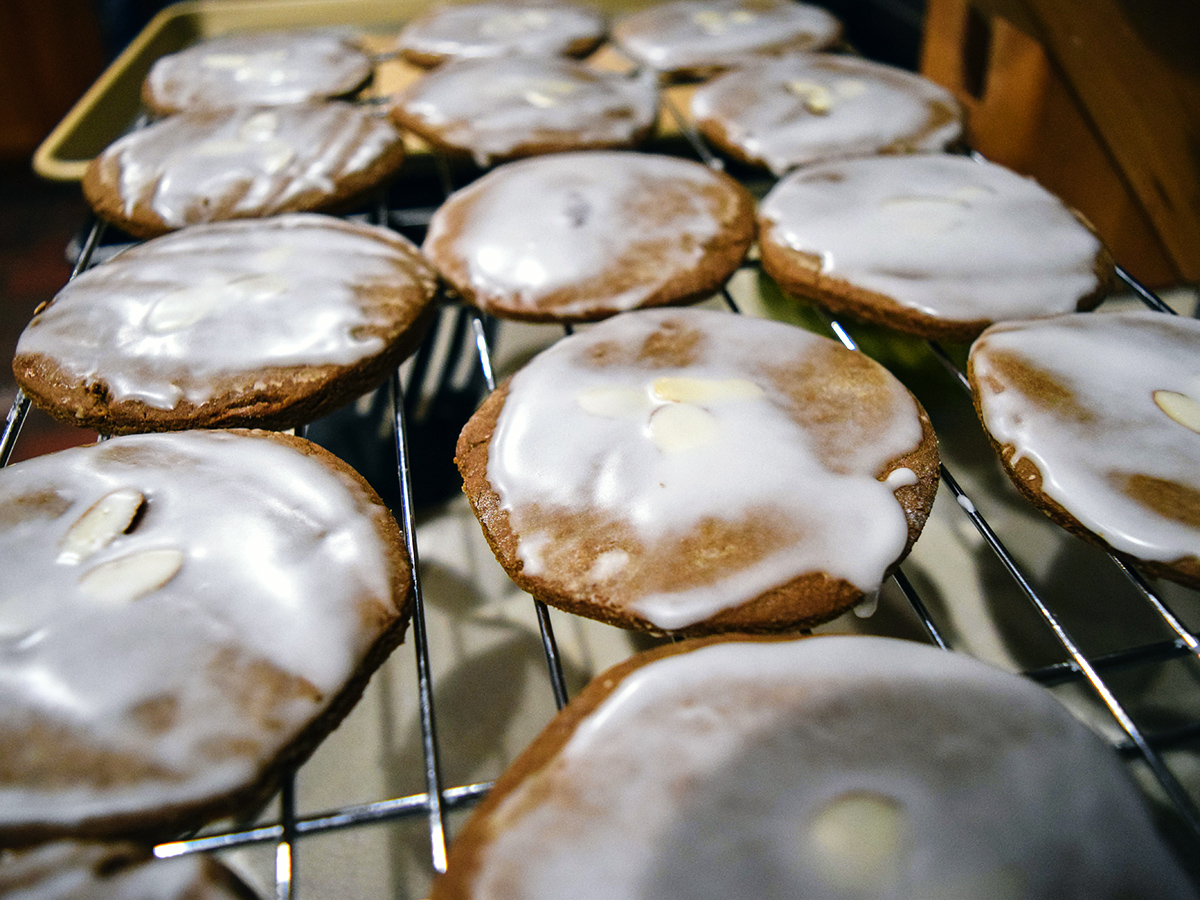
(766, 107)
(278, 565)
(477, 30)
(703, 34)
(750, 770)
(576, 222)
(70, 871)
(256, 161)
(1112, 364)
(172, 319)
(749, 456)
(492, 107)
(263, 68)
(944, 235)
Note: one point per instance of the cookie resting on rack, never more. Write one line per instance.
(265, 323)
(691, 471)
(184, 617)
(242, 163)
(782, 112)
(1096, 418)
(696, 38)
(264, 68)
(823, 768)
(67, 870)
(499, 109)
(577, 237)
(932, 244)
(490, 29)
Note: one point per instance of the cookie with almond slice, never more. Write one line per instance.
(690, 472)
(185, 616)
(266, 324)
(1096, 418)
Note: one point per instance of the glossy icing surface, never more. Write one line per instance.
(179, 607)
(808, 107)
(704, 34)
(657, 450)
(1106, 405)
(245, 162)
(175, 318)
(568, 231)
(826, 768)
(941, 234)
(492, 108)
(475, 30)
(263, 68)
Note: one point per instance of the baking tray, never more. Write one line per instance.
(112, 105)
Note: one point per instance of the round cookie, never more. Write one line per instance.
(246, 162)
(491, 29)
(75, 871)
(269, 323)
(184, 616)
(789, 111)
(500, 109)
(696, 38)
(1096, 418)
(266, 68)
(690, 471)
(581, 236)
(824, 768)
(936, 245)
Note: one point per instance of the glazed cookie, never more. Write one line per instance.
(695, 38)
(269, 323)
(789, 111)
(248, 162)
(482, 30)
(581, 236)
(499, 109)
(1096, 418)
(258, 69)
(936, 245)
(73, 871)
(691, 471)
(184, 616)
(824, 768)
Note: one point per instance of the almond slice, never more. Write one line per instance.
(129, 577)
(1180, 407)
(104, 520)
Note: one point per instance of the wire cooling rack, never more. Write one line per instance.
(1102, 674)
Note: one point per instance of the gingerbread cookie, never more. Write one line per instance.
(695, 38)
(690, 471)
(267, 323)
(936, 245)
(241, 163)
(823, 768)
(500, 109)
(582, 236)
(491, 29)
(1096, 418)
(185, 615)
(780, 113)
(266, 68)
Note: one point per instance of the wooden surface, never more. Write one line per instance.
(1097, 99)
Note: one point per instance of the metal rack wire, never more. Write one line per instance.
(473, 333)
